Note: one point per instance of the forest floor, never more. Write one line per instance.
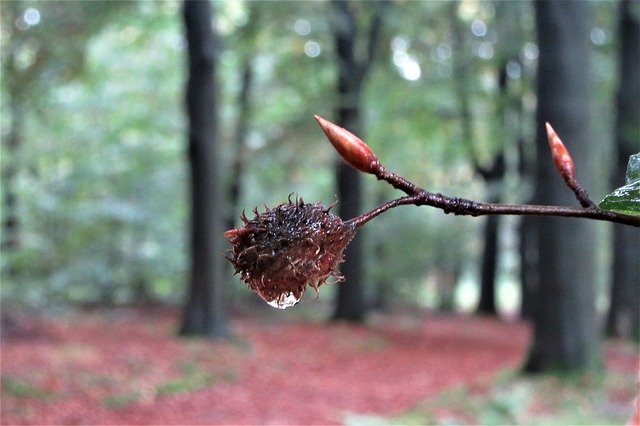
(126, 366)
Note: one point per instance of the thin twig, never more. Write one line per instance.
(464, 207)
(395, 180)
(360, 156)
(364, 218)
(581, 193)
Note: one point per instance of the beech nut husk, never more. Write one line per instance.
(282, 250)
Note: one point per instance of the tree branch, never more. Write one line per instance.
(464, 207)
(359, 155)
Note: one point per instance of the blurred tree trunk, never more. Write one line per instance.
(492, 174)
(527, 266)
(240, 139)
(247, 74)
(528, 247)
(509, 26)
(489, 265)
(352, 73)
(448, 276)
(11, 144)
(528, 243)
(10, 221)
(494, 177)
(526, 159)
(564, 316)
(204, 313)
(508, 122)
(624, 313)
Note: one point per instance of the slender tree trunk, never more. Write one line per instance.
(10, 222)
(350, 299)
(528, 251)
(494, 179)
(461, 74)
(624, 312)
(352, 72)
(244, 101)
(204, 313)
(242, 125)
(525, 154)
(509, 130)
(10, 161)
(487, 303)
(565, 326)
(491, 175)
(528, 247)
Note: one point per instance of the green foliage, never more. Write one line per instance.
(101, 176)
(183, 385)
(626, 199)
(20, 389)
(120, 401)
(194, 377)
(101, 172)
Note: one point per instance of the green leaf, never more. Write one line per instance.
(626, 199)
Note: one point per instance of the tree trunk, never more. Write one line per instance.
(352, 72)
(624, 312)
(528, 252)
(494, 179)
(487, 303)
(493, 174)
(204, 312)
(10, 163)
(10, 221)
(565, 326)
(248, 36)
(350, 299)
(242, 126)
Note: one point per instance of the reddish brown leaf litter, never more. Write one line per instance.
(127, 368)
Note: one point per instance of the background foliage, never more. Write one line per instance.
(100, 170)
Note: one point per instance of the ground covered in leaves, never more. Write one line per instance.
(127, 367)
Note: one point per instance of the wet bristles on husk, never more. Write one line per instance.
(280, 251)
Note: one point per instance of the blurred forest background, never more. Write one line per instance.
(95, 165)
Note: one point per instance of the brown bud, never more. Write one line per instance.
(280, 251)
(350, 147)
(561, 157)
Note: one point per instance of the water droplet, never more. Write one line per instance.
(284, 301)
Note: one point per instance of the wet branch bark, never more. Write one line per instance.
(358, 155)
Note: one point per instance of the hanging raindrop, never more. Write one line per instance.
(284, 301)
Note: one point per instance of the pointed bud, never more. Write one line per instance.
(350, 147)
(561, 157)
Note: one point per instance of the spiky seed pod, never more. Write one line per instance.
(280, 251)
